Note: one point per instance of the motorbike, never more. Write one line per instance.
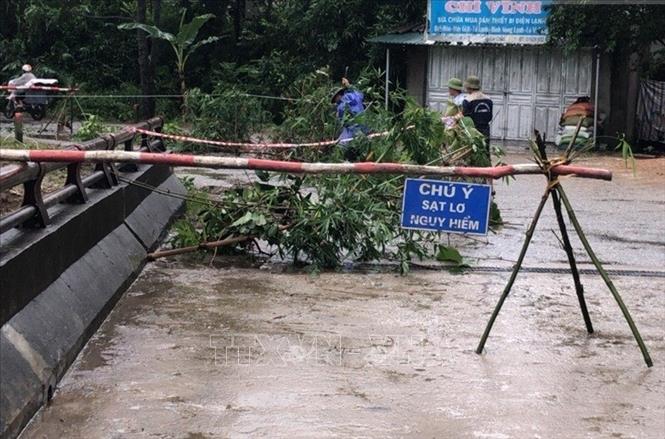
(33, 101)
(37, 110)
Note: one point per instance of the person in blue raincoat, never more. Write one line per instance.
(349, 103)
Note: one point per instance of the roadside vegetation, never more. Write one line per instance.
(323, 221)
(265, 71)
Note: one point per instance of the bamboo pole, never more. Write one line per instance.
(70, 156)
(568, 248)
(516, 269)
(571, 145)
(604, 275)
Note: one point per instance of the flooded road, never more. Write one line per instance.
(232, 350)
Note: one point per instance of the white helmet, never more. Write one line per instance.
(27, 68)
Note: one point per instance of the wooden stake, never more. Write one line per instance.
(18, 123)
(604, 275)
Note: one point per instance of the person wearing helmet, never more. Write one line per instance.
(26, 77)
(456, 99)
(349, 103)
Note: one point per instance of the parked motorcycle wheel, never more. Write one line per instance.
(9, 111)
(38, 112)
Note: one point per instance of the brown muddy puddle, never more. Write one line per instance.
(240, 349)
(200, 352)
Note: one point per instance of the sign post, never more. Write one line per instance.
(444, 206)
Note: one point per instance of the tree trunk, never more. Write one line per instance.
(626, 70)
(154, 46)
(147, 104)
(238, 18)
(183, 91)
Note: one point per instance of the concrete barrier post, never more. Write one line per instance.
(18, 123)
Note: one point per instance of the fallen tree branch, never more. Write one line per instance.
(202, 246)
(205, 246)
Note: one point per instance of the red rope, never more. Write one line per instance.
(222, 143)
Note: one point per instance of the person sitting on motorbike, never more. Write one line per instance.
(22, 80)
(26, 77)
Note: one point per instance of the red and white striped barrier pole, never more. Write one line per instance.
(200, 161)
(36, 87)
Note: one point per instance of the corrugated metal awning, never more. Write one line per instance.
(409, 39)
(418, 39)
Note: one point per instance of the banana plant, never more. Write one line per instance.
(183, 43)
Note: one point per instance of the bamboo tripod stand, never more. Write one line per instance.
(558, 195)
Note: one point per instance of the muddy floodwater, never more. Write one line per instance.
(232, 349)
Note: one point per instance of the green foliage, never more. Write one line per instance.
(325, 32)
(495, 215)
(606, 26)
(172, 127)
(324, 220)
(627, 153)
(310, 113)
(227, 114)
(270, 45)
(183, 43)
(414, 133)
(449, 254)
(321, 220)
(65, 42)
(187, 231)
(92, 127)
(112, 109)
(424, 135)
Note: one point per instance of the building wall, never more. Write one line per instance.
(530, 86)
(416, 61)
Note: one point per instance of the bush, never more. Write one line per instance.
(226, 114)
(92, 127)
(112, 108)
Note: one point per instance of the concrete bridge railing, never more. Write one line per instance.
(34, 210)
(67, 256)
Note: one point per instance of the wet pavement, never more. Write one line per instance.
(235, 350)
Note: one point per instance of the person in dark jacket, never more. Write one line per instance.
(479, 107)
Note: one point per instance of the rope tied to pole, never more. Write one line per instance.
(249, 145)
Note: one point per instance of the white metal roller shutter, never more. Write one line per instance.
(530, 86)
